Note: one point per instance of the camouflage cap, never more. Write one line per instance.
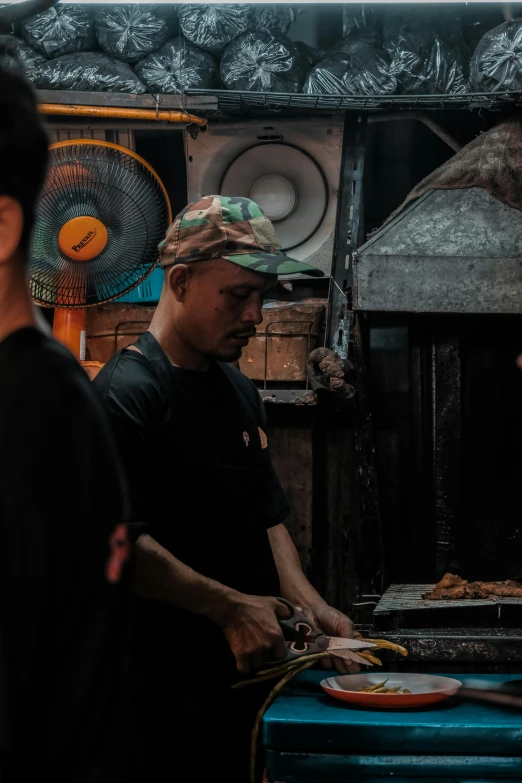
(228, 227)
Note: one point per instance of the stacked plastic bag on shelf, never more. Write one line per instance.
(88, 71)
(212, 27)
(352, 68)
(17, 55)
(178, 66)
(240, 46)
(271, 16)
(130, 32)
(428, 52)
(263, 62)
(474, 31)
(63, 29)
(497, 62)
(310, 56)
(364, 24)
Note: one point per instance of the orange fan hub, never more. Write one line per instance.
(83, 238)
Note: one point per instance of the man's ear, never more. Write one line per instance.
(11, 227)
(179, 275)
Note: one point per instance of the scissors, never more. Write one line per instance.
(304, 638)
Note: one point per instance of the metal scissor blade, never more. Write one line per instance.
(349, 655)
(337, 643)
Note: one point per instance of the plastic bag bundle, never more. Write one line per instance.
(352, 69)
(129, 32)
(496, 65)
(272, 17)
(212, 27)
(474, 31)
(309, 55)
(356, 17)
(262, 62)
(370, 35)
(17, 55)
(440, 68)
(363, 24)
(178, 66)
(414, 29)
(60, 30)
(428, 51)
(88, 71)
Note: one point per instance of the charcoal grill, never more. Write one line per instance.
(402, 606)
(447, 636)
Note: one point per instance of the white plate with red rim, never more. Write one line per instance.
(425, 689)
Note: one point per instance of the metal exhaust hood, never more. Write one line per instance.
(450, 251)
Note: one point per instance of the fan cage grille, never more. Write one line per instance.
(108, 184)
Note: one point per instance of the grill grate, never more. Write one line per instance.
(403, 598)
(232, 101)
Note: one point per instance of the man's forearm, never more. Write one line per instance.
(249, 622)
(295, 587)
(162, 576)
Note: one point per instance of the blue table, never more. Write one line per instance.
(310, 738)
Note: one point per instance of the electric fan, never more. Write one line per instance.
(99, 220)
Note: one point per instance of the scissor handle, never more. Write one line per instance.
(305, 637)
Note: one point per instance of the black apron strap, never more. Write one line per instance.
(158, 360)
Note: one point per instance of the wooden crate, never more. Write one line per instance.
(114, 326)
(279, 351)
(293, 331)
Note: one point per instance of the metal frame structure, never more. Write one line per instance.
(436, 360)
(347, 335)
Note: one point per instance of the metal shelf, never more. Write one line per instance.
(288, 396)
(230, 102)
(127, 100)
(235, 102)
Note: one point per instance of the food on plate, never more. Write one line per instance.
(453, 588)
(380, 687)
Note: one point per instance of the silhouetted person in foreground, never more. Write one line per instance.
(62, 514)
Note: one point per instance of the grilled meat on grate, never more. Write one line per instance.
(453, 588)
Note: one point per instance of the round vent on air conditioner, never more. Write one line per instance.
(287, 184)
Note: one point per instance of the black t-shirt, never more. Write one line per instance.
(201, 482)
(64, 593)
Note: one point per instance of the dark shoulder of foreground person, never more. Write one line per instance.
(43, 359)
(53, 427)
(37, 367)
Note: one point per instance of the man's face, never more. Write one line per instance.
(220, 307)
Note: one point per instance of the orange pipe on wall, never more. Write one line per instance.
(110, 112)
(69, 329)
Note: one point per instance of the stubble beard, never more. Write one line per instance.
(222, 355)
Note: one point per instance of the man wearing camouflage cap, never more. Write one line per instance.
(212, 553)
